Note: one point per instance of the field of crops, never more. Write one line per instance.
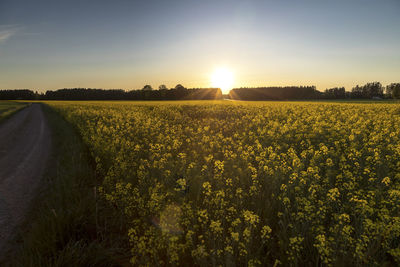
(236, 183)
(8, 107)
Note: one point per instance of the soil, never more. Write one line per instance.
(25, 146)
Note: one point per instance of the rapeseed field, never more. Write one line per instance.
(249, 184)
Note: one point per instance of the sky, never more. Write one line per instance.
(51, 44)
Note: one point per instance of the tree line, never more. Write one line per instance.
(373, 90)
(14, 94)
(275, 93)
(368, 91)
(147, 93)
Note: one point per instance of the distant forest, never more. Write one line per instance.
(147, 93)
(373, 90)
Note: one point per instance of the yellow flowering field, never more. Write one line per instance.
(240, 183)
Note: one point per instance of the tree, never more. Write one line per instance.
(368, 90)
(394, 90)
(147, 87)
(356, 92)
(162, 87)
(374, 89)
(179, 87)
(335, 93)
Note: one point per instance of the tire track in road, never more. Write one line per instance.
(25, 143)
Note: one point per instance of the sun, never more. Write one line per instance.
(222, 78)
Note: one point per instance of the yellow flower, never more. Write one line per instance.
(344, 218)
(181, 184)
(216, 227)
(266, 232)
(202, 215)
(207, 188)
(329, 162)
(386, 181)
(250, 217)
(229, 249)
(236, 222)
(333, 194)
(235, 236)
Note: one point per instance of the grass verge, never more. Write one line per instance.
(63, 228)
(8, 108)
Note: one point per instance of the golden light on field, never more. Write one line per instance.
(222, 78)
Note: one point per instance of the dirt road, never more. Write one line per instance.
(24, 150)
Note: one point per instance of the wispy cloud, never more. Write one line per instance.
(7, 31)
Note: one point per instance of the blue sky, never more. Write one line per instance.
(126, 44)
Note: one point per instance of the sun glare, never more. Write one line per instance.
(222, 78)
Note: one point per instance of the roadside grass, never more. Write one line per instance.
(63, 228)
(7, 108)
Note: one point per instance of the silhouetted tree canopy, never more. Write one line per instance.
(118, 94)
(335, 93)
(147, 87)
(85, 94)
(18, 94)
(367, 91)
(162, 87)
(393, 90)
(275, 93)
(179, 87)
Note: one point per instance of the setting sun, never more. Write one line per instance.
(222, 78)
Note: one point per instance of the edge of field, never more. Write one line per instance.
(9, 112)
(62, 228)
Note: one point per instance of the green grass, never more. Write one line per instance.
(7, 108)
(63, 229)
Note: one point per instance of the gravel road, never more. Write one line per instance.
(25, 141)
